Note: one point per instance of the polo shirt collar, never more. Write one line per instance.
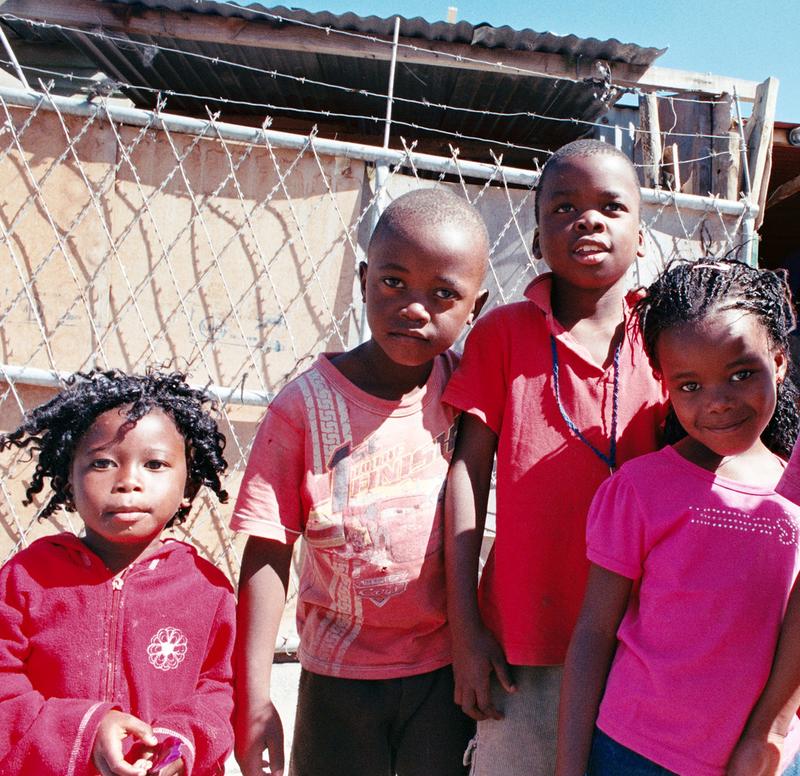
(538, 292)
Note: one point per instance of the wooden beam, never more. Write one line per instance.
(780, 137)
(134, 20)
(758, 138)
(650, 141)
(725, 164)
(784, 191)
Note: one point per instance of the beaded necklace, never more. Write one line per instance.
(611, 459)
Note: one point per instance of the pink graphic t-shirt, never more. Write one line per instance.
(713, 561)
(362, 480)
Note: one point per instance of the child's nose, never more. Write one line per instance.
(127, 480)
(415, 311)
(590, 221)
(719, 399)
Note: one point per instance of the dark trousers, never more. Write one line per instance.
(379, 727)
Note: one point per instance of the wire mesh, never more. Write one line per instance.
(133, 245)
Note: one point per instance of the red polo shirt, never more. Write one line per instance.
(533, 582)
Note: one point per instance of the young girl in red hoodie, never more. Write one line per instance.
(115, 646)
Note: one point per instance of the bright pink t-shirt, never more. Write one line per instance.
(362, 480)
(713, 561)
(534, 579)
(789, 484)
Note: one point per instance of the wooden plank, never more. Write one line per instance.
(672, 167)
(758, 139)
(650, 141)
(691, 122)
(133, 20)
(726, 162)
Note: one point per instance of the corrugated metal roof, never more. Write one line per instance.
(483, 34)
(265, 75)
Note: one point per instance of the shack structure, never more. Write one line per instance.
(193, 184)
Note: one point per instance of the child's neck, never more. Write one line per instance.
(118, 556)
(757, 466)
(369, 369)
(592, 316)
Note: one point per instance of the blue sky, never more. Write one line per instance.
(745, 39)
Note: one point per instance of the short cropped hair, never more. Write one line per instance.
(54, 428)
(434, 207)
(579, 148)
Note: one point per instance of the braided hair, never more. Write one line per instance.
(54, 428)
(688, 291)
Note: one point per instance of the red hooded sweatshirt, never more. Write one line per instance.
(76, 641)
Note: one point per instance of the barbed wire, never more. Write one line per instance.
(274, 73)
(323, 113)
(244, 232)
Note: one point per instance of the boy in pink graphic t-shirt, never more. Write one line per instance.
(353, 456)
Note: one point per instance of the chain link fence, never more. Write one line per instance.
(132, 239)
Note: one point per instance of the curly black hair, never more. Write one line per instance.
(54, 428)
(688, 291)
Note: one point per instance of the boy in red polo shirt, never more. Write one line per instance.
(559, 387)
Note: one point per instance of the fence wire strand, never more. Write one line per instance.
(236, 261)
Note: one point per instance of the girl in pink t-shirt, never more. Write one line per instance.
(693, 552)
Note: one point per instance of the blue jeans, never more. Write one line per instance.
(608, 758)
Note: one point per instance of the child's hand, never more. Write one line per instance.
(756, 756)
(474, 660)
(107, 753)
(161, 760)
(253, 737)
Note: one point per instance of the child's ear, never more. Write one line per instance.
(781, 365)
(362, 276)
(480, 301)
(189, 492)
(641, 251)
(536, 248)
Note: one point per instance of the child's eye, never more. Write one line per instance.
(615, 206)
(101, 463)
(445, 293)
(690, 387)
(392, 282)
(566, 207)
(742, 374)
(155, 464)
